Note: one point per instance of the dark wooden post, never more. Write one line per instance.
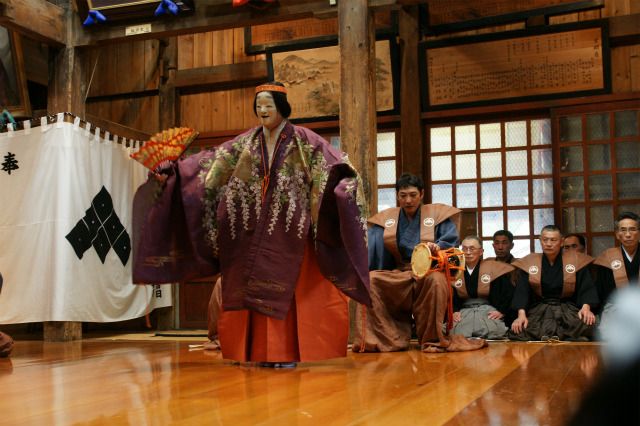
(357, 86)
(411, 135)
(168, 117)
(67, 92)
(358, 98)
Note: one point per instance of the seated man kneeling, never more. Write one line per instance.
(554, 293)
(398, 297)
(482, 298)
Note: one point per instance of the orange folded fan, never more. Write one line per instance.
(165, 146)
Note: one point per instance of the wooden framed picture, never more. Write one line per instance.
(259, 38)
(14, 95)
(311, 74)
(559, 62)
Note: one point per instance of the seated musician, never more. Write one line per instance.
(554, 294)
(399, 298)
(482, 298)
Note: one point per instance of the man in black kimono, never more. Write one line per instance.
(554, 294)
(502, 245)
(482, 300)
(618, 267)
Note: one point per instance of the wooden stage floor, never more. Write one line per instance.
(162, 382)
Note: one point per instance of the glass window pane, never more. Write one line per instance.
(490, 136)
(602, 218)
(599, 157)
(491, 194)
(518, 222)
(597, 126)
(571, 159)
(628, 185)
(517, 193)
(386, 172)
(492, 221)
(542, 218)
(600, 187)
(387, 144)
(521, 248)
(543, 191)
(572, 189)
(465, 137)
(541, 162)
(515, 133)
(541, 132)
(491, 164)
(573, 219)
(335, 142)
(466, 166)
(386, 198)
(570, 129)
(628, 155)
(631, 207)
(466, 195)
(626, 123)
(442, 194)
(488, 249)
(516, 163)
(441, 167)
(440, 139)
(600, 244)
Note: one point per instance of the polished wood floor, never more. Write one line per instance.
(97, 382)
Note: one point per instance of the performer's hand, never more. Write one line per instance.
(457, 316)
(586, 315)
(495, 315)
(433, 247)
(520, 323)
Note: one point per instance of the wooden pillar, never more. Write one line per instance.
(357, 86)
(168, 117)
(411, 135)
(66, 93)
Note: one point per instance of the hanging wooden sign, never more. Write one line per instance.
(566, 62)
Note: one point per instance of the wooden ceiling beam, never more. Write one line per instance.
(239, 74)
(624, 30)
(209, 15)
(37, 19)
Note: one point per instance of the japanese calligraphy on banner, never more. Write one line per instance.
(564, 63)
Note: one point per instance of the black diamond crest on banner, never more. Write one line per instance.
(101, 228)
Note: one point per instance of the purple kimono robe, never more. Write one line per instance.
(211, 217)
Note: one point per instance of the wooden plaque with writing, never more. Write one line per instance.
(567, 62)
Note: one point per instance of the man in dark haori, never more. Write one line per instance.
(619, 267)
(554, 293)
(482, 299)
(399, 298)
(502, 245)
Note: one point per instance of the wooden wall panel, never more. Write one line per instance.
(140, 113)
(123, 68)
(218, 111)
(634, 67)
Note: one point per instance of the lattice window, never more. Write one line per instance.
(502, 170)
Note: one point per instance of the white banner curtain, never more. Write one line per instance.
(57, 179)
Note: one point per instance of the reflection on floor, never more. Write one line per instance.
(102, 381)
